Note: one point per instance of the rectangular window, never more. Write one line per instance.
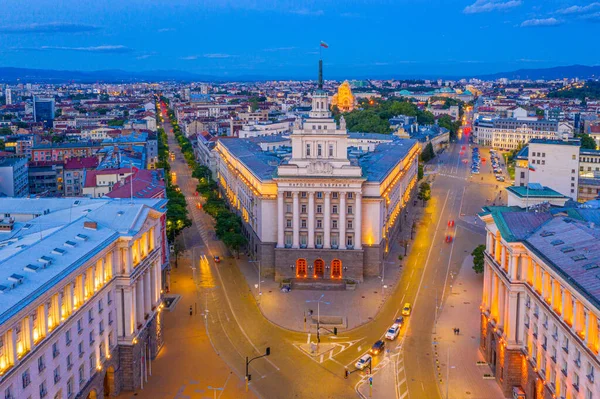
(55, 351)
(350, 210)
(79, 329)
(101, 327)
(288, 208)
(110, 317)
(303, 209)
(334, 194)
(308, 150)
(331, 150)
(80, 348)
(319, 194)
(41, 364)
(43, 390)
(303, 223)
(26, 377)
(81, 374)
(349, 225)
(319, 239)
(57, 374)
(288, 194)
(319, 150)
(334, 209)
(68, 337)
(91, 337)
(334, 223)
(319, 223)
(69, 361)
(303, 194)
(109, 297)
(334, 240)
(288, 240)
(100, 306)
(319, 209)
(349, 241)
(350, 195)
(70, 388)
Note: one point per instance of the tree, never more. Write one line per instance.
(446, 121)
(587, 141)
(420, 172)
(478, 258)
(5, 131)
(424, 192)
(235, 241)
(428, 154)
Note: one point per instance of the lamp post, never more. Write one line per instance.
(318, 301)
(249, 376)
(259, 277)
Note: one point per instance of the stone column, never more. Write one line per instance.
(497, 250)
(513, 267)
(501, 302)
(153, 286)
(311, 219)
(342, 220)
(327, 220)
(511, 318)
(494, 296)
(503, 258)
(358, 221)
(147, 292)
(587, 326)
(296, 221)
(139, 301)
(485, 297)
(280, 220)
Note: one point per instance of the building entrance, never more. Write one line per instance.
(319, 268)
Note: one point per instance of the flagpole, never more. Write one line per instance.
(131, 181)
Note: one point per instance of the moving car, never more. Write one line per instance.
(217, 259)
(377, 347)
(500, 178)
(392, 332)
(363, 362)
(399, 321)
(406, 309)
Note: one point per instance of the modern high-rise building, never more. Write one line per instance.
(80, 282)
(43, 110)
(540, 309)
(8, 96)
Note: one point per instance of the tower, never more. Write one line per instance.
(8, 97)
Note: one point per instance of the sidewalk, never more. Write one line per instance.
(461, 310)
(187, 364)
(288, 310)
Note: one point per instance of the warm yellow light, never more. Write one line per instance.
(35, 335)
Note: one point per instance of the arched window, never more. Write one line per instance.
(336, 268)
(319, 268)
(301, 268)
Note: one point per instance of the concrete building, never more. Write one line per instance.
(552, 163)
(46, 178)
(14, 177)
(540, 306)
(336, 212)
(510, 133)
(8, 96)
(81, 300)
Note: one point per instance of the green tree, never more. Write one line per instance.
(235, 241)
(428, 154)
(446, 121)
(424, 192)
(587, 141)
(5, 131)
(478, 258)
(420, 172)
(116, 122)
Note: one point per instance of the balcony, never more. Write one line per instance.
(590, 378)
(576, 386)
(564, 371)
(553, 358)
(566, 349)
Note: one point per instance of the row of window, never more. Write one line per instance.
(319, 194)
(319, 224)
(318, 240)
(319, 151)
(319, 209)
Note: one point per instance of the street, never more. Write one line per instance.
(237, 328)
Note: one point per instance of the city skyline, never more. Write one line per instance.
(366, 38)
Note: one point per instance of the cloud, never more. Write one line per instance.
(307, 12)
(118, 49)
(163, 30)
(491, 5)
(350, 15)
(270, 50)
(189, 58)
(218, 55)
(52, 27)
(594, 17)
(381, 63)
(144, 56)
(543, 22)
(530, 60)
(578, 9)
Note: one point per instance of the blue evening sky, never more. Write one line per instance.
(280, 38)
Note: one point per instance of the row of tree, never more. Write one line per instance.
(228, 224)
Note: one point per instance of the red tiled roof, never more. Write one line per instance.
(90, 175)
(146, 184)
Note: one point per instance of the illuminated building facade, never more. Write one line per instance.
(322, 210)
(343, 99)
(540, 309)
(80, 286)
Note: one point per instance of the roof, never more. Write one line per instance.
(61, 220)
(524, 192)
(11, 161)
(263, 165)
(81, 163)
(376, 165)
(568, 240)
(573, 142)
(146, 184)
(90, 175)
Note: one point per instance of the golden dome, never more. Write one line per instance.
(343, 99)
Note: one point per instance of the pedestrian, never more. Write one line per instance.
(190, 310)
(458, 331)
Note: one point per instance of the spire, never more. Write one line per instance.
(320, 83)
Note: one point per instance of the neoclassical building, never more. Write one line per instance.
(540, 307)
(320, 209)
(80, 295)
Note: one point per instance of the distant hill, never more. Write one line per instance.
(571, 71)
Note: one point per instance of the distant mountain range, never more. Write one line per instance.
(26, 75)
(571, 71)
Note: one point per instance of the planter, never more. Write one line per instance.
(350, 285)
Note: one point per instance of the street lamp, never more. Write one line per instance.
(318, 301)
(249, 376)
(259, 277)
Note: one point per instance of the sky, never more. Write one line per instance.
(280, 38)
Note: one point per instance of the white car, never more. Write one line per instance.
(363, 362)
(392, 332)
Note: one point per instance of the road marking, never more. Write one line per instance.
(321, 359)
(308, 339)
(452, 249)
